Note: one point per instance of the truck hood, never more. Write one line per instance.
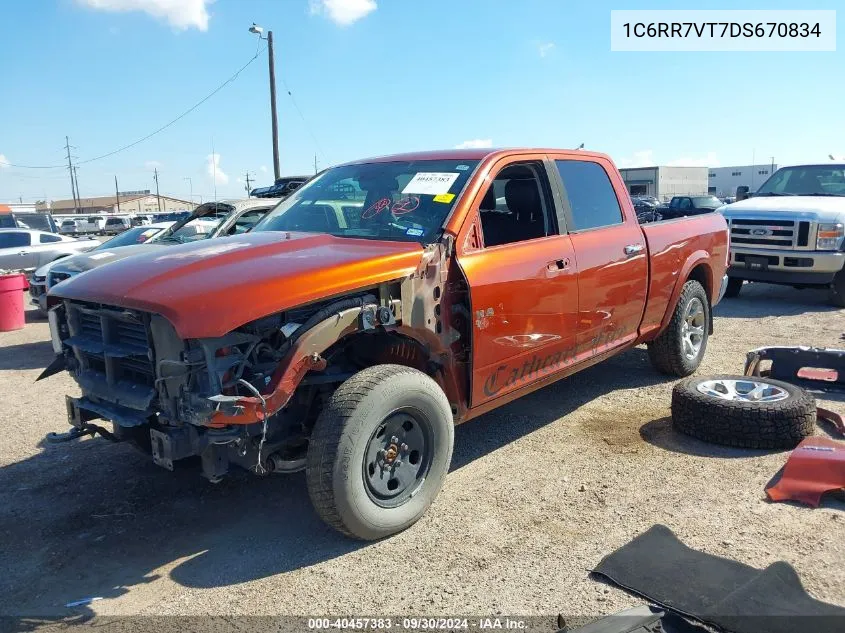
(819, 208)
(208, 288)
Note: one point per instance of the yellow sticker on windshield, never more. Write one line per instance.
(446, 198)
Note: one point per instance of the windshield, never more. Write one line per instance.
(137, 235)
(200, 228)
(806, 180)
(404, 201)
(707, 202)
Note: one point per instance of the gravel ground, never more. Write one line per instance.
(539, 492)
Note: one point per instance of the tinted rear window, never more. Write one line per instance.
(14, 239)
(592, 199)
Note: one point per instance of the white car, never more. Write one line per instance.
(45, 278)
(26, 249)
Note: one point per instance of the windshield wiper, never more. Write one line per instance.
(826, 194)
(773, 193)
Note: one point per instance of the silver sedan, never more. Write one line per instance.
(26, 249)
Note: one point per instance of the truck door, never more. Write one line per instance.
(611, 253)
(522, 279)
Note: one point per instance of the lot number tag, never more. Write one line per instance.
(431, 183)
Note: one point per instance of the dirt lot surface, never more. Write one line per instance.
(539, 492)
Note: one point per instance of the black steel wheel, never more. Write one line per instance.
(398, 458)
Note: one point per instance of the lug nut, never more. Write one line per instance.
(404, 448)
(394, 440)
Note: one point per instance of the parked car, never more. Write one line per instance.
(172, 216)
(681, 206)
(115, 225)
(281, 187)
(25, 249)
(791, 231)
(58, 270)
(71, 226)
(351, 351)
(214, 219)
(35, 221)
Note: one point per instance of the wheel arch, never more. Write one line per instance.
(696, 268)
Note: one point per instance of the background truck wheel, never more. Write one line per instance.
(380, 451)
(837, 290)
(734, 287)
(743, 411)
(680, 347)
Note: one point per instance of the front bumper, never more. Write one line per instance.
(782, 266)
(38, 294)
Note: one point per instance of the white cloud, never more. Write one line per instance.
(708, 160)
(212, 166)
(180, 14)
(545, 48)
(476, 143)
(152, 164)
(643, 158)
(343, 12)
(4, 162)
(263, 169)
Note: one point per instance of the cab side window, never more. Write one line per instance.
(13, 239)
(590, 195)
(517, 206)
(46, 238)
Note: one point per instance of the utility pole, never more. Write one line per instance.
(76, 180)
(246, 176)
(273, 105)
(191, 185)
(70, 171)
(116, 193)
(158, 197)
(773, 165)
(315, 164)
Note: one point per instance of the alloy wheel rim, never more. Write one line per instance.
(692, 329)
(743, 390)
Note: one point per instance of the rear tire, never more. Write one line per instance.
(679, 349)
(780, 423)
(734, 287)
(382, 416)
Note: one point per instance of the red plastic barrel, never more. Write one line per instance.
(11, 302)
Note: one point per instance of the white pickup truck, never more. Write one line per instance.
(791, 231)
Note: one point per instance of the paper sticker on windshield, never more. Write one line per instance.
(430, 183)
(414, 232)
(446, 198)
(462, 167)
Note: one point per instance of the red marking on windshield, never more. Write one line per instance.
(374, 209)
(405, 205)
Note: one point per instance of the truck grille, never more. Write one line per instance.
(114, 352)
(771, 233)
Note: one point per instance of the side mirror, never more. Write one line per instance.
(742, 193)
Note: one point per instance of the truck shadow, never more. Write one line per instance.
(35, 355)
(92, 519)
(758, 300)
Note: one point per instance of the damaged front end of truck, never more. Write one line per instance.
(251, 397)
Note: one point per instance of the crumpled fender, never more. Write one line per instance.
(816, 466)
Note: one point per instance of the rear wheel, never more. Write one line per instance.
(734, 287)
(680, 347)
(380, 451)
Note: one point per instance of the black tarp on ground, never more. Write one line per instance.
(718, 591)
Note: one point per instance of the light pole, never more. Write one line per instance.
(275, 123)
(191, 185)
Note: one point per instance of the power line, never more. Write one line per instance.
(301, 116)
(151, 134)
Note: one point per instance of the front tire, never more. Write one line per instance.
(379, 451)
(837, 290)
(679, 349)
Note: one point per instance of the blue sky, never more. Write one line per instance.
(380, 76)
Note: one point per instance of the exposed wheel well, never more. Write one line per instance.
(701, 274)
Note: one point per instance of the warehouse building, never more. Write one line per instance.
(129, 202)
(665, 182)
(723, 181)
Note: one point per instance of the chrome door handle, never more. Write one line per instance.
(633, 249)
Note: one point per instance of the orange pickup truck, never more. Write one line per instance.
(376, 307)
